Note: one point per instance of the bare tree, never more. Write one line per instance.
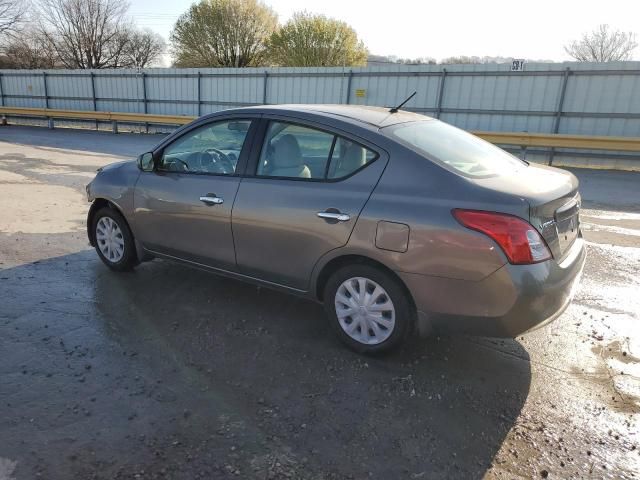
(12, 13)
(27, 50)
(467, 60)
(375, 60)
(85, 33)
(143, 48)
(461, 60)
(603, 45)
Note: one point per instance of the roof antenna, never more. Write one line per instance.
(395, 109)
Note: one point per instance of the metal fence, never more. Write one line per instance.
(572, 98)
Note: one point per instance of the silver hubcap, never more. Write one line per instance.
(365, 311)
(110, 239)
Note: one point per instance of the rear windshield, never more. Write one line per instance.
(455, 148)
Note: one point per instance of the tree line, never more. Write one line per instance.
(94, 34)
(73, 34)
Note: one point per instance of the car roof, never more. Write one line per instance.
(377, 117)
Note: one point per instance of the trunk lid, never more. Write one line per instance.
(554, 202)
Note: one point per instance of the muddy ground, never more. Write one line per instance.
(169, 372)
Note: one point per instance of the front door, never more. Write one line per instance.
(309, 187)
(183, 208)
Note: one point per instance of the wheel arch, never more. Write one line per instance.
(336, 263)
(99, 203)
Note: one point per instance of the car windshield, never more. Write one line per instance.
(455, 148)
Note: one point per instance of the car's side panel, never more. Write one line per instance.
(278, 234)
(415, 192)
(171, 219)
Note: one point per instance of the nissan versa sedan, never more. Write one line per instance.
(397, 222)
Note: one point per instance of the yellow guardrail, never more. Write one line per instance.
(557, 140)
(100, 116)
(522, 139)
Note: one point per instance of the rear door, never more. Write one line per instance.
(301, 198)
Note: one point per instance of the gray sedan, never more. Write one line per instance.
(397, 222)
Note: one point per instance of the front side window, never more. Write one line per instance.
(455, 148)
(213, 148)
(295, 151)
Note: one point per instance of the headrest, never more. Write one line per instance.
(287, 152)
(354, 157)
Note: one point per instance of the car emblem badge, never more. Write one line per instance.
(547, 224)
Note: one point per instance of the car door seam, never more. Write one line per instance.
(247, 161)
(314, 270)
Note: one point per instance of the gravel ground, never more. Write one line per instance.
(169, 372)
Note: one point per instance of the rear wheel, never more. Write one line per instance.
(368, 308)
(113, 240)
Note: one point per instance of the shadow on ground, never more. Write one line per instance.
(170, 372)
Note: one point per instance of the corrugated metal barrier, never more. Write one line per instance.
(566, 98)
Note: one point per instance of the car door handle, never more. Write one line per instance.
(340, 217)
(211, 200)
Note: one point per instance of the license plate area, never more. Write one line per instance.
(568, 224)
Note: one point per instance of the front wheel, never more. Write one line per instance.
(113, 240)
(369, 309)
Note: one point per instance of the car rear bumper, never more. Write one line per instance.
(510, 301)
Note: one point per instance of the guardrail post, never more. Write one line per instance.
(348, 99)
(264, 87)
(3, 120)
(46, 90)
(144, 99)
(443, 77)
(93, 94)
(199, 97)
(114, 126)
(46, 98)
(556, 122)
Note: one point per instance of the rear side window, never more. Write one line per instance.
(347, 157)
(296, 151)
(455, 148)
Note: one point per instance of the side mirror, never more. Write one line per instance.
(145, 162)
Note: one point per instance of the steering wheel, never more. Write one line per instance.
(178, 165)
(217, 159)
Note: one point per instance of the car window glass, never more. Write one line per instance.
(294, 151)
(213, 148)
(455, 148)
(347, 157)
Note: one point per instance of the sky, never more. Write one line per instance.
(532, 29)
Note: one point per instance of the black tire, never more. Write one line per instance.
(404, 310)
(129, 257)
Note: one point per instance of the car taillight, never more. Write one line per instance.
(521, 243)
